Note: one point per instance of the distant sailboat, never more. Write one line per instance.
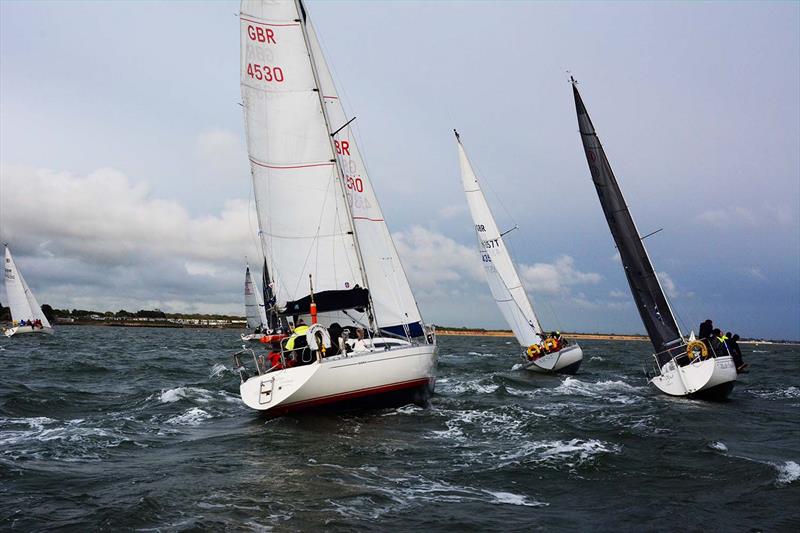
(26, 312)
(544, 353)
(682, 367)
(337, 274)
(254, 310)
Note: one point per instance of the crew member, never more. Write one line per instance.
(360, 344)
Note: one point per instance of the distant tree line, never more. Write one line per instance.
(84, 314)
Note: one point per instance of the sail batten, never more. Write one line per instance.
(651, 301)
(504, 282)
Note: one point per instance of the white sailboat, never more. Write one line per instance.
(26, 313)
(254, 309)
(321, 224)
(681, 366)
(543, 352)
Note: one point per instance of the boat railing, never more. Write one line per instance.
(240, 367)
(683, 358)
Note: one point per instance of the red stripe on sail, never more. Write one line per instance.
(289, 167)
(267, 24)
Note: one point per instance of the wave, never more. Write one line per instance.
(788, 472)
(192, 417)
(790, 392)
(570, 453)
(470, 386)
(718, 446)
(217, 370)
(185, 393)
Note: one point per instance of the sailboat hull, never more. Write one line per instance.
(711, 379)
(253, 337)
(27, 330)
(397, 376)
(566, 361)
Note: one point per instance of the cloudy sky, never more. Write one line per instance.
(125, 183)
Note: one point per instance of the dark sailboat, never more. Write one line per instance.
(681, 367)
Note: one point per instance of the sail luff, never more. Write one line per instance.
(502, 276)
(651, 301)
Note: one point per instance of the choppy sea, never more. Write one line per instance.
(141, 429)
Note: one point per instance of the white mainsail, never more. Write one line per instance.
(21, 300)
(503, 278)
(316, 207)
(253, 303)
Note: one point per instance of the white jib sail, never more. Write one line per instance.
(299, 200)
(502, 276)
(253, 303)
(392, 298)
(21, 300)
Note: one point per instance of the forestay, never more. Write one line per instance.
(300, 196)
(21, 300)
(653, 306)
(253, 303)
(504, 281)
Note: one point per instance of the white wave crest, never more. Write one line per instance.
(192, 417)
(718, 445)
(217, 369)
(469, 386)
(514, 499)
(613, 391)
(788, 472)
(181, 393)
(558, 452)
(789, 392)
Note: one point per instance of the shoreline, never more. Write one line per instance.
(507, 333)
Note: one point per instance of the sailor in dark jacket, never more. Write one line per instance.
(736, 353)
(705, 329)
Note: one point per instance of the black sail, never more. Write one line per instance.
(647, 292)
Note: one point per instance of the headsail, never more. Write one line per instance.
(316, 208)
(503, 278)
(647, 292)
(21, 301)
(253, 304)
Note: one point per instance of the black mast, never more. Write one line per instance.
(269, 298)
(647, 292)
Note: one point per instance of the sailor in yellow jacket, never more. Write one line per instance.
(299, 331)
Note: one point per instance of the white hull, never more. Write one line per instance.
(27, 330)
(342, 378)
(713, 376)
(565, 361)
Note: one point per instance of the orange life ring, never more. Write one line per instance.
(550, 344)
(534, 351)
(696, 345)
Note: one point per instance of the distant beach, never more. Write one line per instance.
(507, 333)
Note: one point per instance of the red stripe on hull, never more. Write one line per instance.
(334, 398)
